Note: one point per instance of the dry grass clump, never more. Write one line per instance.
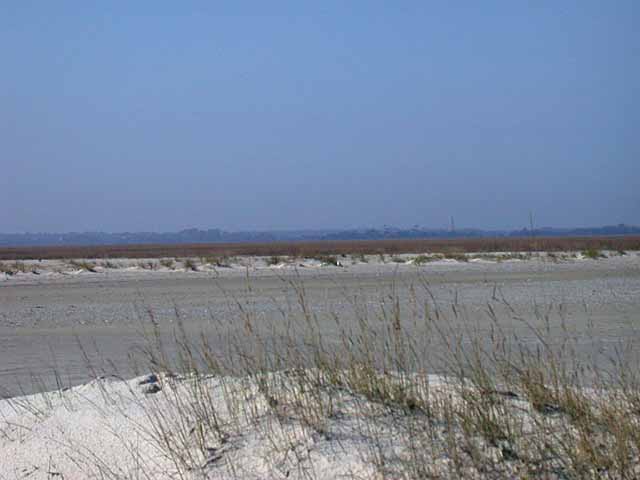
(220, 261)
(359, 258)
(149, 265)
(458, 256)
(169, 263)
(422, 259)
(274, 260)
(410, 388)
(15, 267)
(109, 264)
(85, 265)
(497, 408)
(190, 264)
(593, 254)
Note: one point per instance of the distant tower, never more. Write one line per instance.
(531, 223)
(453, 225)
(532, 234)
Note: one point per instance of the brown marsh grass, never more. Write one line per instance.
(328, 248)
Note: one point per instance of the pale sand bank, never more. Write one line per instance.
(271, 427)
(92, 269)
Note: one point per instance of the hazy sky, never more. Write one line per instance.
(268, 115)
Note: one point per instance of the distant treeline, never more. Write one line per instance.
(389, 233)
(220, 236)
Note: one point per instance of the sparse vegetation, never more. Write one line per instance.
(358, 258)
(593, 254)
(220, 261)
(506, 409)
(328, 260)
(501, 407)
(190, 264)
(85, 265)
(422, 259)
(149, 265)
(274, 260)
(458, 256)
(15, 267)
(491, 257)
(169, 263)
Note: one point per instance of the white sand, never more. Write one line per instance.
(104, 429)
(29, 271)
(116, 429)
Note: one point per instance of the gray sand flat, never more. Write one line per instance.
(43, 320)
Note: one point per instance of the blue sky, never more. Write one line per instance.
(270, 115)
